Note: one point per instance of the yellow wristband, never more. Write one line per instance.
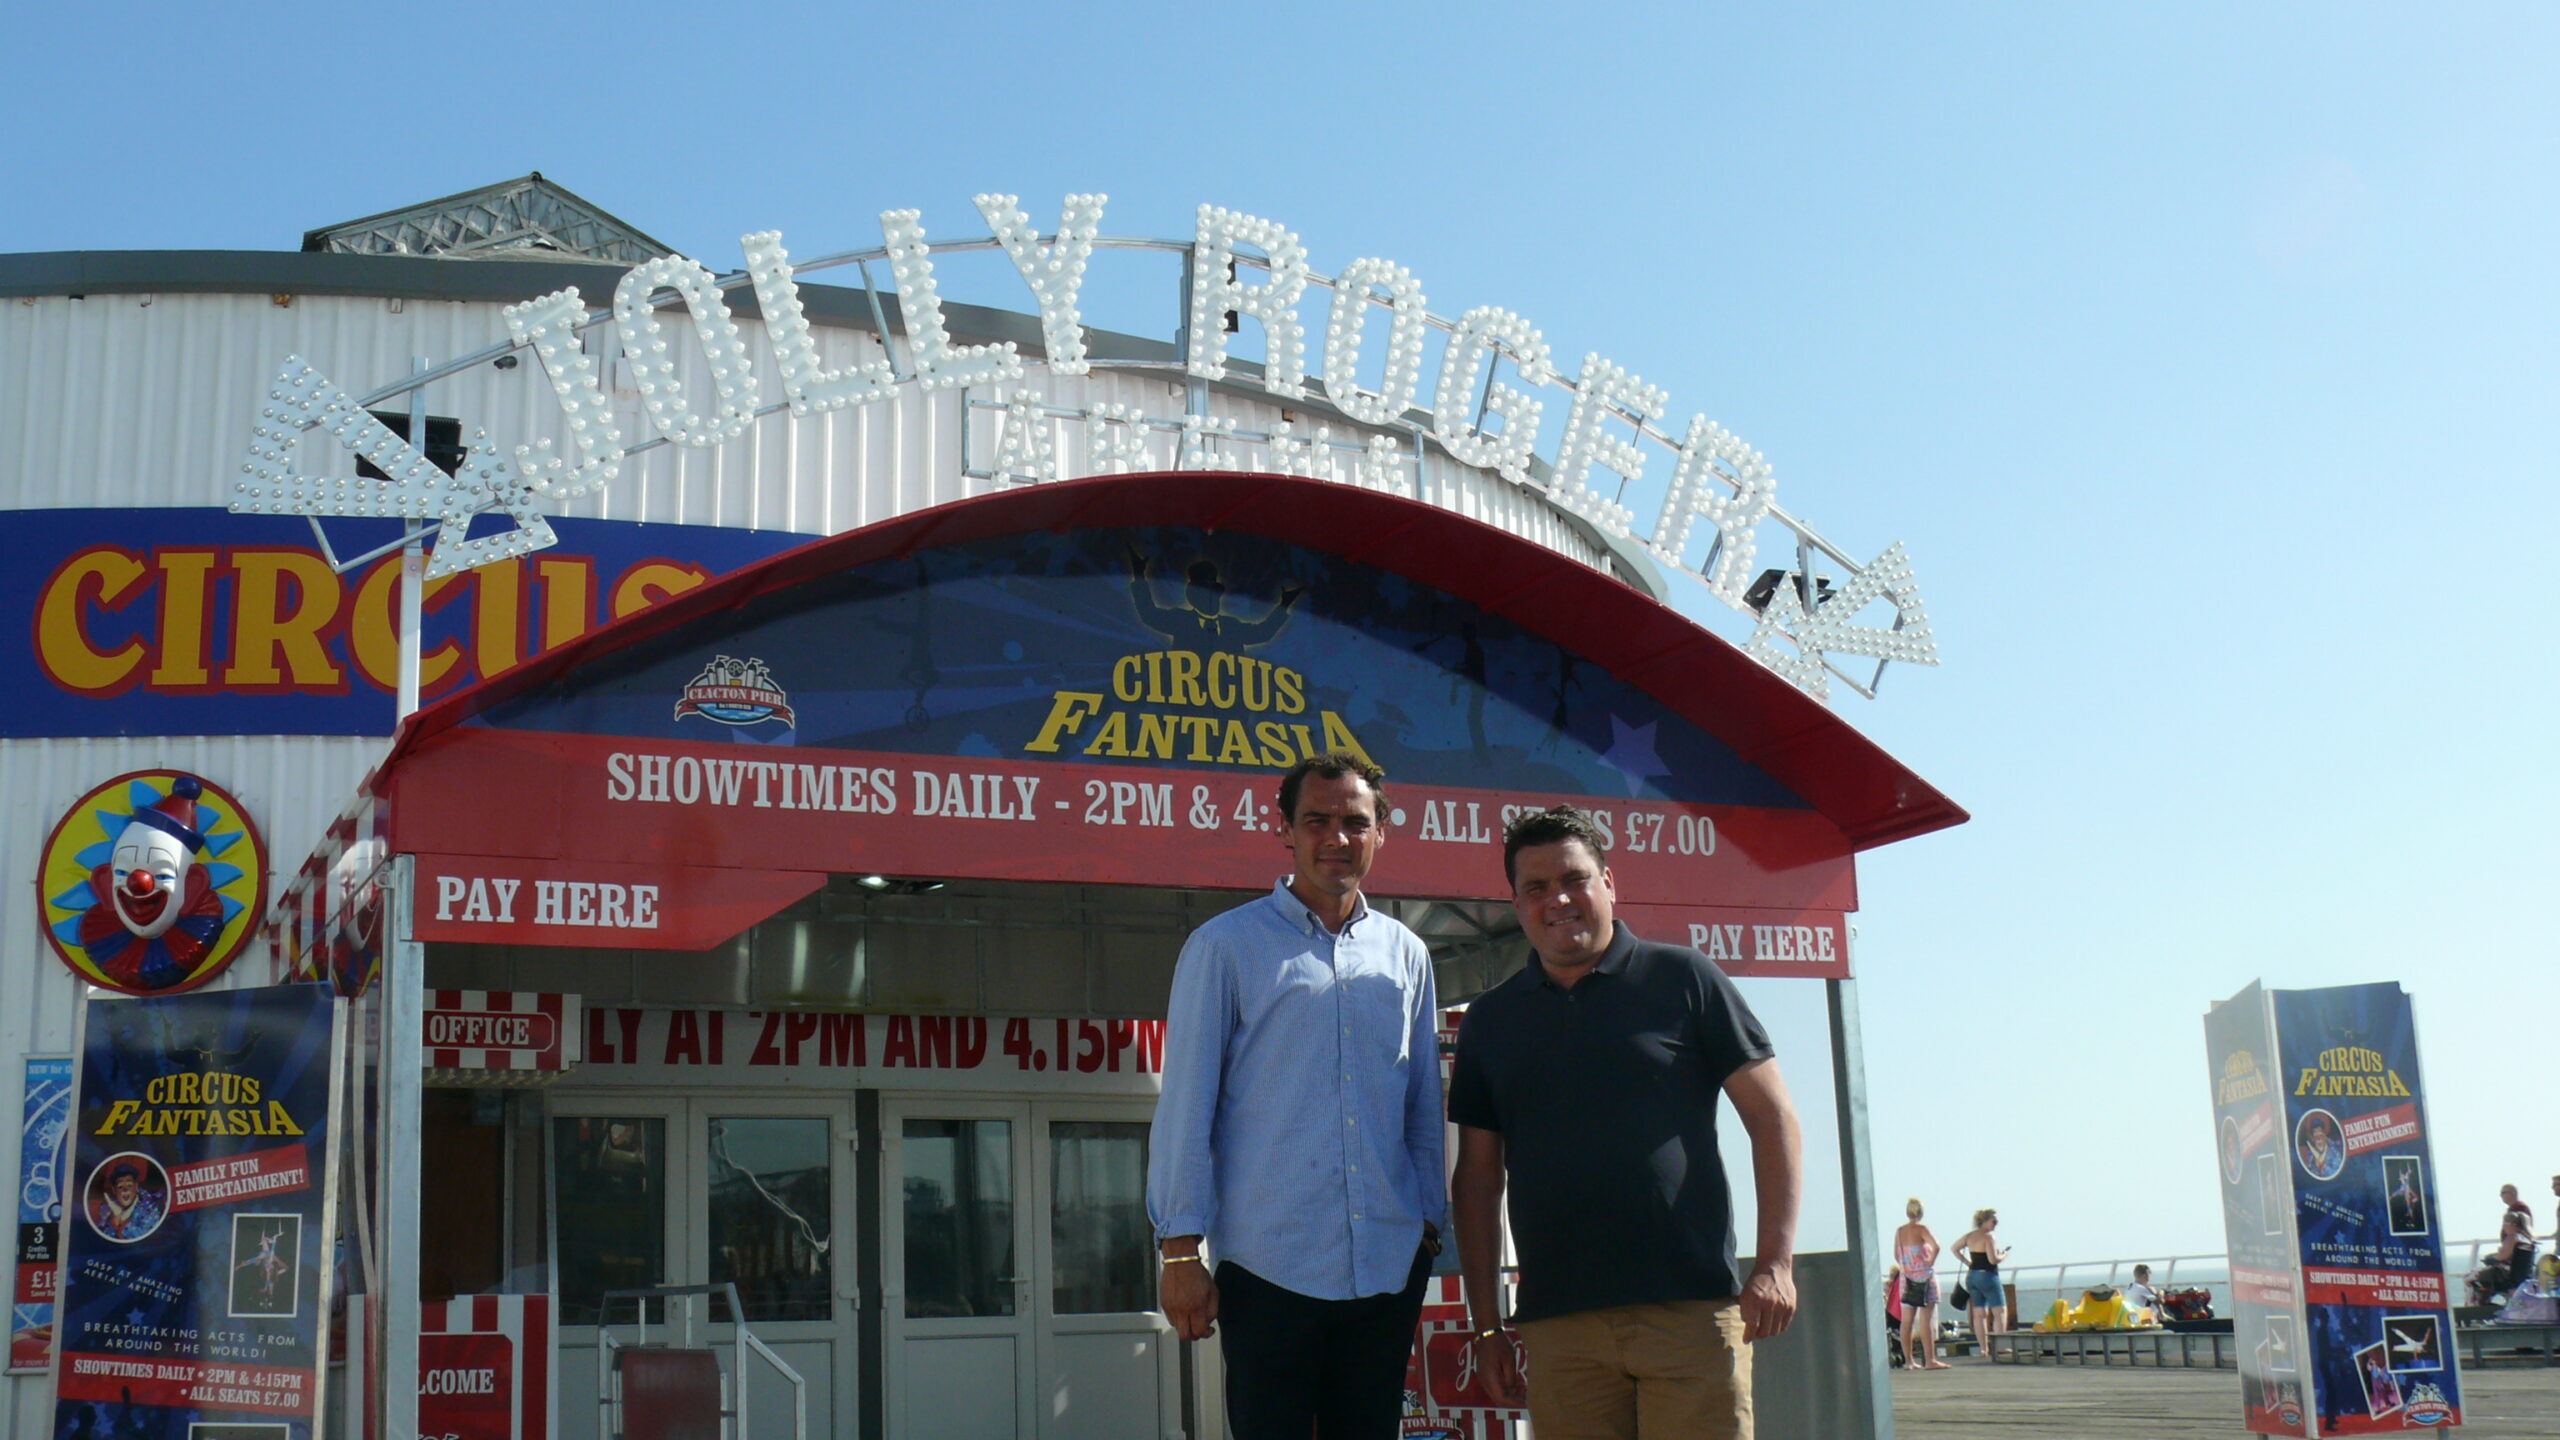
(1483, 1334)
(1178, 1259)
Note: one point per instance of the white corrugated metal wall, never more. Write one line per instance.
(147, 400)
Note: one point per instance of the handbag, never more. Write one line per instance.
(1957, 1299)
(1915, 1293)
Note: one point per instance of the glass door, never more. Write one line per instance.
(1108, 1366)
(695, 1191)
(960, 1250)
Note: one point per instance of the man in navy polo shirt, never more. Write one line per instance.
(1590, 1078)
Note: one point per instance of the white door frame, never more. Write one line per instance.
(897, 1328)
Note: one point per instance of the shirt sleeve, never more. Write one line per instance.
(1182, 1171)
(1426, 1126)
(1470, 1093)
(1729, 1035)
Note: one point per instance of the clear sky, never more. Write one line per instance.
(2203, 355)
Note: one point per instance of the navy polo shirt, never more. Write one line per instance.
(1605, 1097)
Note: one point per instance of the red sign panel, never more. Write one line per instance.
(577, 900)
(669, 845)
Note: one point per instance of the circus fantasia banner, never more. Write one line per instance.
(2329, 1204)
(2379, 1336)
(194, 1292)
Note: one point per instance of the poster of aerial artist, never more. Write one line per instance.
(194, 1291)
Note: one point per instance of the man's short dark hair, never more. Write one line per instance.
(1332, 767)
(1548, 827)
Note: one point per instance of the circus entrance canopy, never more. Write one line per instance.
(1053, 716)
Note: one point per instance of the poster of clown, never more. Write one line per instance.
(153, 882)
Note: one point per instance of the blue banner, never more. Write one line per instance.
(1160, 647)
(193, 1279)
(201, 622)
(2380, 1341)
(47, 1112)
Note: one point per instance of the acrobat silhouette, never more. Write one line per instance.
(1202, 619)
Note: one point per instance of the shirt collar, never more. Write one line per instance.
(1622, 944)
(1305, 919)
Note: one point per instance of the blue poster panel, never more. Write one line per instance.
(2257, 1213)
(47, 1116)
(2378, 1335)
(193, 1292)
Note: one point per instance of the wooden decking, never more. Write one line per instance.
(2045, 1402)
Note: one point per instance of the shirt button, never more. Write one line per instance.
(1350, 1119)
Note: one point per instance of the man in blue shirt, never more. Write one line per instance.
(1299, 1132)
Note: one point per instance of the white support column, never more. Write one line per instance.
(1869, 1362)
(404, 1004)
(413, 564)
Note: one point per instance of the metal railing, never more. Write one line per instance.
(742, 1341)
(2038, 1286)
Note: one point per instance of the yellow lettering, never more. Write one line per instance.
(1339, 739)
(1112, 738)
(106, 578)
(373, 631)
(1182, 679)
(1236, 748)
(1293, 699)
(498, 613)
(1067, 712)
(282, 603)
(1222, 691)
(568, 597)
(186, 581)
(117, 1114)
(651, 581)
(1124, 678)
(278, 1122)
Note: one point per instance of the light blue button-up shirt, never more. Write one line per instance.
(1300, 1124)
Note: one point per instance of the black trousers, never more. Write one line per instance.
(1296, 1364)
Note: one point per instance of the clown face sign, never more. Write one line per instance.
(152, 883)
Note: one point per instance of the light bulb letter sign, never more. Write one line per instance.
(1055, 272)
(1729, 483)
(940, 365)
(1482, 334)
(811, 388)
(653, 368)
(1604, 388)
(1215, 290)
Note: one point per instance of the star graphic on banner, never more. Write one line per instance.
(1631, 753)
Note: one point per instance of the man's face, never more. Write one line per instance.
(1335, 835)
(126, 1187)
(2507, 1193)
(1566, 901)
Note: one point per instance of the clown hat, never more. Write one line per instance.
(174, 814)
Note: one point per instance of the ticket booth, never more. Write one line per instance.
(848, 889)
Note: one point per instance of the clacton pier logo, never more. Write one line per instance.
(735, 692)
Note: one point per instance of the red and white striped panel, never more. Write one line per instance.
(546, 1029)
(521, 1326)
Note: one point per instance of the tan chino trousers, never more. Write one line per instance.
(1641, 1372)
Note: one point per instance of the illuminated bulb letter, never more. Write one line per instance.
(1483, 331)
(1712, 462)
(1055, 272)
(1023, 449)
(1603, 387)
(653, 363)
(550, 326)
(1215, 291)
(1351, 294)
(811, 388)
(1115, 440)
(940, 364)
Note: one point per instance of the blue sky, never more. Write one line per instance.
(2204, 356)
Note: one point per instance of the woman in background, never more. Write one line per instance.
(1989, 1304)
(1916, 1251)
